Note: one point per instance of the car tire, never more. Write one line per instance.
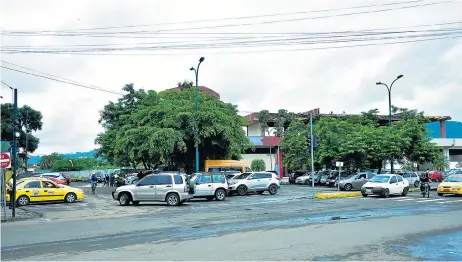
(439, 194)
(348, 187)
(172, 199)
(273, 189)
(365, 195)
(386, 193)
(124, 199)
(136, 203)
(307, 182)
(23, 201)
(405, 190)
(209, 198)
(416, 184)
(220, 194)
(242, 190)
(70, 198)
(260, 192)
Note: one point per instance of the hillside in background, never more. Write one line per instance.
(36, 159)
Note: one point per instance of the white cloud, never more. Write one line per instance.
(333, 80)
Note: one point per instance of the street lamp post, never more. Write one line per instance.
(389, 108)
(196, 72)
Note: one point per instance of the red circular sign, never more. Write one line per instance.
(5, 160)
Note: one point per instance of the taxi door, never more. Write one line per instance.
(33, 190)
(51, 192)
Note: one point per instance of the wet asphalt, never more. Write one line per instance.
(99, 229)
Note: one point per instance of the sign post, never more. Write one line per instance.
(5, 160)
(339, 165)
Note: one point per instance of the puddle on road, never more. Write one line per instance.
(440, 247)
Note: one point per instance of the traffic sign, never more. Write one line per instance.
(339, 164)
(5, 160)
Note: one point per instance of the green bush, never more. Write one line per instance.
(258, 165)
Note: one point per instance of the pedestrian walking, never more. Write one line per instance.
(106, 180)
(111, 179)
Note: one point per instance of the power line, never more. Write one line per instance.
(7, 85)
(65, 82)
(229, 18)
(102, 34)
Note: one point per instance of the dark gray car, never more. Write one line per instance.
(355, 181)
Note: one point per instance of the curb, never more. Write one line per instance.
(337, 195)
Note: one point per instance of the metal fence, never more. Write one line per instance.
(87, 173)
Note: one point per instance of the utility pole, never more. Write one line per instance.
(27, 136)
(196, 71)
(14, 151)
(312, 154)
(389, 110)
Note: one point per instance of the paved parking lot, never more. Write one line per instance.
(289, 225)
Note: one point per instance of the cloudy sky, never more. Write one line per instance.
(274, 55)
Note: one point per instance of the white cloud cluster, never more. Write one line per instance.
(331, 79)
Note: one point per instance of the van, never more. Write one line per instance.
(226, 165)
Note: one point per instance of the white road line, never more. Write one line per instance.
(407, 199)
(429, 200)
(452, 201)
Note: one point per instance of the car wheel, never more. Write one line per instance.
(386, 193)
(364, 195)
(307, 182)
(405, 190)
(416, 184)
(273, 189)
(209, 198)
(242, 190)
(439, 194)
(260, 192)
(124, 199)
(220, 194)
(348, 187)
(172, 199)
(136, 203)
(23, 201)
(70, 198)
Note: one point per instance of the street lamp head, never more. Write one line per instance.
(192, 69)
(399, 76)
(201, 59)
(378, 83)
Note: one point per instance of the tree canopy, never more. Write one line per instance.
(57, 162)
(258, 165)
(158, 129)
(360, 142)
(29, 119)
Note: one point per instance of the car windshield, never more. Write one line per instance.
(380, 179)
(453, 179)
(242, 176)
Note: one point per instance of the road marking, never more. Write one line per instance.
(428, 200)
(452, 201)
(407, 199)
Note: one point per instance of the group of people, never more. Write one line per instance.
(109, 180)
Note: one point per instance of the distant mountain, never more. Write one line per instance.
(36, 159)
(453, 129)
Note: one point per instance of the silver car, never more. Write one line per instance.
(412, 178)
(355, 181)
(164, 187)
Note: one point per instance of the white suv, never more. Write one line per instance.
(164, 187)
(254, 182)
(210, 186)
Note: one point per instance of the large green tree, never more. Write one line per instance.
(159, 129)
(295, 146)
(30, 121)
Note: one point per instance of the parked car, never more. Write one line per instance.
(303, 179)
(68, 178)
(386, 185)
(254, 182)
(324, 178)
(294, 176)
(210, 186)
(131, 179)
(355, 181)
(317, 178)
(171, 188)
(333, 178)
(436, 176)
(55, 177)
(451, 185)
(412, 178)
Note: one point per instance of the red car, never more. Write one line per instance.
(436, 176)
(55, 177)
(67, 177)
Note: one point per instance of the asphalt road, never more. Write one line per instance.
(286, 226)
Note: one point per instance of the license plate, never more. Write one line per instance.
(446, 190)
(368, 191)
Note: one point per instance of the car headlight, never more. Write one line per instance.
(233, 182)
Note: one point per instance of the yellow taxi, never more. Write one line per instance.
(451, 185)
(37, 189)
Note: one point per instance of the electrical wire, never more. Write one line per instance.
(75, 83)
(229, 18)
(102, 34)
